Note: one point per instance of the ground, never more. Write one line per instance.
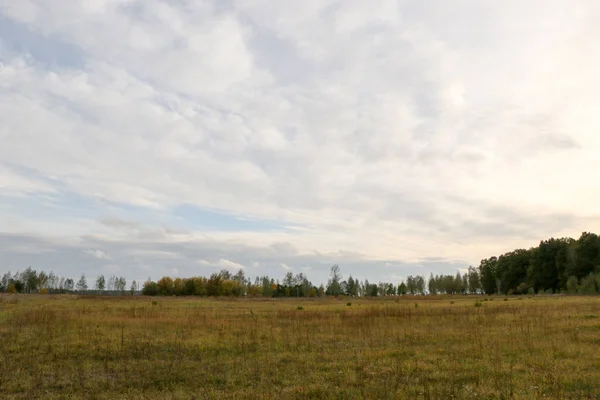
(458, 347)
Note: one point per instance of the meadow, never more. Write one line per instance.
(454, 347)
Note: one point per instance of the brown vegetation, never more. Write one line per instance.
(184, 348)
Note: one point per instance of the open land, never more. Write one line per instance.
(461, 347)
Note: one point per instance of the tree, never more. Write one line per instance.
(587, 285)
(333, 285)
(120, 284)
(549, 263)
(164, 286)
(511, 269)
(134, 287)
(572, 285)
(487, 273)
(69, 284)
(587, 255)
(402, 289)
(110, 286)
(431, 285)
(390, 290)
(100, 283)
(5, 282)
(474, 282)
(29, 277)
(82, 283)
(150, 288)
(420, 284)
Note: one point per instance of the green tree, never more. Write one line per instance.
(100, 283)
(150, 288)
(474, 282)
(511, 269)
(572, 285)
(432, 285)
(333, 285)
(82, 284)
(487, 273)
(133, 288)
(402, 289)
(587, 255)
(588, 285)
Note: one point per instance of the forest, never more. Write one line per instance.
(562, 265)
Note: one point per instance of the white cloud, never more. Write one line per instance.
(99, 254)
(396, 131)
(223, 263)
(285, 267)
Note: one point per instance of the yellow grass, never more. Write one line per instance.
(55, 347)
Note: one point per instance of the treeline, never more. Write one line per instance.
(31, 281)
(555, 266)
(224, 283)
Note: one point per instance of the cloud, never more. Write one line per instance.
(285, 267)
(331, 132)
(223, 263)
(99, 254)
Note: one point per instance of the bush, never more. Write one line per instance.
(572, 284)
(478, 304)
(588, 285)
(505, 299)
(300, 308)
(154, 303)
(523, 288)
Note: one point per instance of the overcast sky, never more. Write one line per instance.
(152, 137)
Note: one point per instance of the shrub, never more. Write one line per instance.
(572, 284)
(154, 303)
(300, 308)
(348, 304)
(478, 304)
(588, 285)
(523, 288)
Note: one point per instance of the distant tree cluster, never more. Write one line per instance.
(31, 281)
(555, 266)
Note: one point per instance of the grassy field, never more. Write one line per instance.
(183, 348)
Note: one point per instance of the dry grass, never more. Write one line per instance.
(106, 348)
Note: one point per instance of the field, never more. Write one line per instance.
(55, 347)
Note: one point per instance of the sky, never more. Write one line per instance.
(146, 138)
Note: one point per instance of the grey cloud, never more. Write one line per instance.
(364, 125)
(137, 260)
